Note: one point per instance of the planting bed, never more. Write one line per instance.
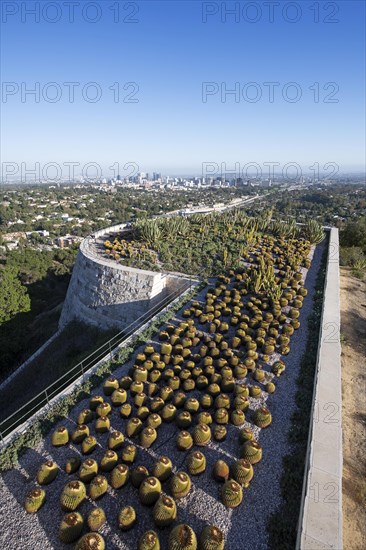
(219, 345)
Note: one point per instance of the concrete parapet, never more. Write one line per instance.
(321, 509)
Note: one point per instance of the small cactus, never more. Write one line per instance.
(168, 412)
(134, 427)
(108, 461)
(270, 387)
(242, 472)
(201, 435)
(262, 417)
(138, 475)
(125, 410)
(88, 470)
(72, 465)
(126, 518)
(246, 434)
(221, 471)
(34, 500)
(88, 445)
(115, 440)
(184, 441)
(153, 420)
(98, 487)
(221, 416)
(237, 417)
(183, 420)
(165, 511)
(71, 527)
(163, 468)
(231, 494)
(47, 472)
(220, 433)
(103, 409)
(85, 417)
(119, 397)
(149, 491)
(60, 437)
(255, 391)
(96, 519)
(180, 485)
(149, 541)
(102, 424)
(182, 537)
(192, 405)
(196, 463)
(129, 454)
(95, 400)
(278, 368)
(81, 432)
(204, 418)
(73, 494)
(110, 385)
(147, 437)
(211, 538)
(119, 476)
(241, 402)
(91, 541)
(251, 451)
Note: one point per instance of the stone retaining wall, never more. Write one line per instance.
(109, 295)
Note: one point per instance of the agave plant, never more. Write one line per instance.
(313, 232)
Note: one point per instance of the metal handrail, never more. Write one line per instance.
(45, 395)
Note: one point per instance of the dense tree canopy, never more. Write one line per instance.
(13, 295)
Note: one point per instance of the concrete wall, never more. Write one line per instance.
(321, 509)
(108, 295)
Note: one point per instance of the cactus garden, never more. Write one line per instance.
(181, 448)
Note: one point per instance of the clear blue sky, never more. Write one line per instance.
(169, 52)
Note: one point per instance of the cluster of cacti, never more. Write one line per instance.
(204, 378)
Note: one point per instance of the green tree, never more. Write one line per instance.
(13, 295)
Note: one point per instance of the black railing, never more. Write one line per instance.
(12, 422)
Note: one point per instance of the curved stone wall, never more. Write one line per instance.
(105, 294)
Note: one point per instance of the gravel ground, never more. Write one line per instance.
(244, 527)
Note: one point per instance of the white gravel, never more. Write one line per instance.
(244, 527)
